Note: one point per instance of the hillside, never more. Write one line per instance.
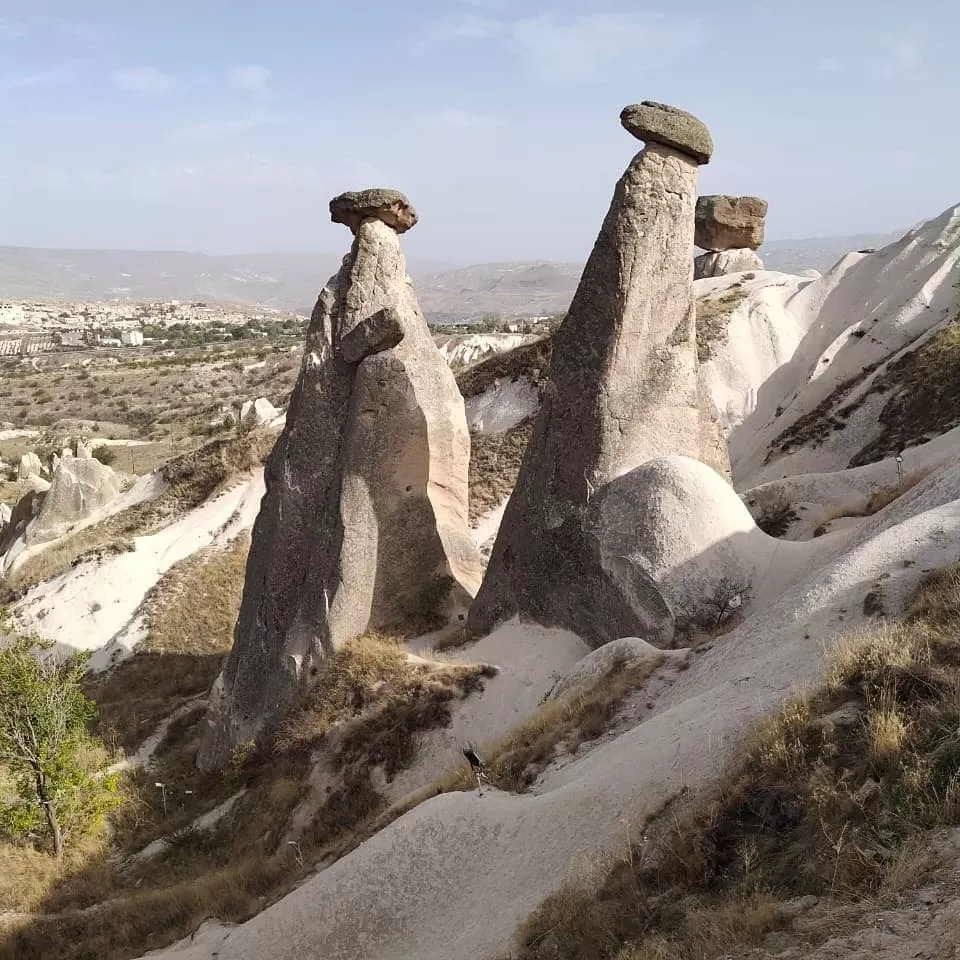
(289, 281)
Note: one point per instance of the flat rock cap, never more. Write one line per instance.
(377, 203)
(661, 123)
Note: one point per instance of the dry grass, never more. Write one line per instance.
(494, 466)
(531, 360)
(195, 605)
(874, 503)
(835, 796)
(925, 399)
(713, 314)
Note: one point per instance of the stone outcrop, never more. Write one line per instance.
(32, 493)
(30, 466)
(78, 490)
(685, 527)
(84, 451)
(260, 410)
(730, 223)
(364, 522)
(719, 263)
(623, 389)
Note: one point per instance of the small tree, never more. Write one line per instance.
(106, 455)
(248, 422)
(54, 763)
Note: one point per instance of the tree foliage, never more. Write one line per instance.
(52, 776)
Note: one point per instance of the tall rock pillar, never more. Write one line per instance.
(366, 503)
(623, 389)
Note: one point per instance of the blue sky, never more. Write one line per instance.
(226, 125)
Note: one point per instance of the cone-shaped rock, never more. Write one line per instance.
(623, 389)
(366, 505)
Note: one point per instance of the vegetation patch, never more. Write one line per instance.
(925, 401)
(195, 605)
(530, 360)
(776, 521)
(713, 315)
(369, 706)
(495, 460)
(827, 417)
(833, 797)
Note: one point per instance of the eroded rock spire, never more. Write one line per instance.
(366, 505)
(623, 389)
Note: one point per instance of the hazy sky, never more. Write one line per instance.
(227, 125)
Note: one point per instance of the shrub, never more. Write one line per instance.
(105, 455)
(53, 764)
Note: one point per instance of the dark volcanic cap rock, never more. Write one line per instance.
(378, 203)
(661, 123)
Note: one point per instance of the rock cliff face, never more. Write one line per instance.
(623, 389)
(366, 505)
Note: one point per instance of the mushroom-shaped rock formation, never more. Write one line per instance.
(623, 389)
(730, 223)
(660, 123)
(389, 206)
(364, 522)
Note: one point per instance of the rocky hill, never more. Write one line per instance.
(289, 281)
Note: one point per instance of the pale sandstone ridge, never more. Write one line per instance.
(366, 502)
(730, 223)
(623, 389)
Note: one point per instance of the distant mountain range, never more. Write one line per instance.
(290, 281)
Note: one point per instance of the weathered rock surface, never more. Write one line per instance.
(686, 528)
(79, 488)
(623, 389)
(5, 512)
(83, 451)
(30, 466)
(660, 123)
(389, 206)
(26, 508)
(730, 223)
(365, 513)
(720, 262)
(263, 411)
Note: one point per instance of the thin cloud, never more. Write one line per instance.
(466, 28)
(575, 48)
(42, 78)
(906, 52)
(252, 78)
(829, 65)
(144, 80)
(572, 47)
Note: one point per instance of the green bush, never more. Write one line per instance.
(52, 768)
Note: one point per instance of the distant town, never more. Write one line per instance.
(30, 327)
